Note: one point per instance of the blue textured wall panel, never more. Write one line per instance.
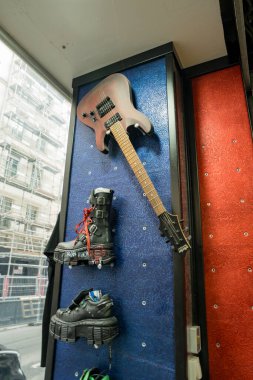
(137, 241)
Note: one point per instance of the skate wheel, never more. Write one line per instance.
(99, 266)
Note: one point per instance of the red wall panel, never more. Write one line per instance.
(225, 168)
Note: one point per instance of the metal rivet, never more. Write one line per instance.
(242, 200)
(218, 345)
(144, 265)
(208, 204)
(234, 141)
(206, 174)
(144, 194)
(251, 307)
(87, 201)
(246, 234)
(213, 270)
(249, 269)
(91, 146)
(144, 303)
(76, 374)
(144, 228)
(144, 163)
(215, 306)
(89, 173)
(143, 344)
(210, 236)
(203, 146)
(238, 170)
(114, 198)
(115, 168)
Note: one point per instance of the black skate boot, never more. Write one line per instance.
(89, 316)
(93, 244)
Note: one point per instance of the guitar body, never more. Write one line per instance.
(92, 107)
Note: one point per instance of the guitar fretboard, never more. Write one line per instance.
(129, 152)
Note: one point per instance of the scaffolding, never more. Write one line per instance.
(33, 133)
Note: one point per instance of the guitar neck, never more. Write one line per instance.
(129, 152)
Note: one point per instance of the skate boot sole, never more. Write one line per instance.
(99, 255)
(96, 331)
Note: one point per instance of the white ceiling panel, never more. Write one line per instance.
(72, 37)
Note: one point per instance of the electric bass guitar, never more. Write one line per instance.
(108, 108)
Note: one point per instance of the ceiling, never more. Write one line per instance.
(73, 37)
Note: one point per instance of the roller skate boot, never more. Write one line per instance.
(89, 316)
(93, 244)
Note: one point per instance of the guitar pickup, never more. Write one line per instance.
(112, 120)
(105, 106)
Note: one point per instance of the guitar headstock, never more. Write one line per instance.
(170, 228)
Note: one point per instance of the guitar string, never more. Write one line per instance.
(102, 96)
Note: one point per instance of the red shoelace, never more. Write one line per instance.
(82, 227)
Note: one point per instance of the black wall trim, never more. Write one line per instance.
(230, 30)
(124, 64)
(63, 215)
(179, 277)
(197, 262)
(208, 67)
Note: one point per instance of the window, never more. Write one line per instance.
(31, 213)
(11, 167)
(27, 105)
(36, 176)
(5, 204)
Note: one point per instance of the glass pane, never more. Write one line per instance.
(34, 120)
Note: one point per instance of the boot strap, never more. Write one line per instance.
(76, 301)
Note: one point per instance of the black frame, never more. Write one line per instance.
(167, 51)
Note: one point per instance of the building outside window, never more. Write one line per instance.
(34, 119)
